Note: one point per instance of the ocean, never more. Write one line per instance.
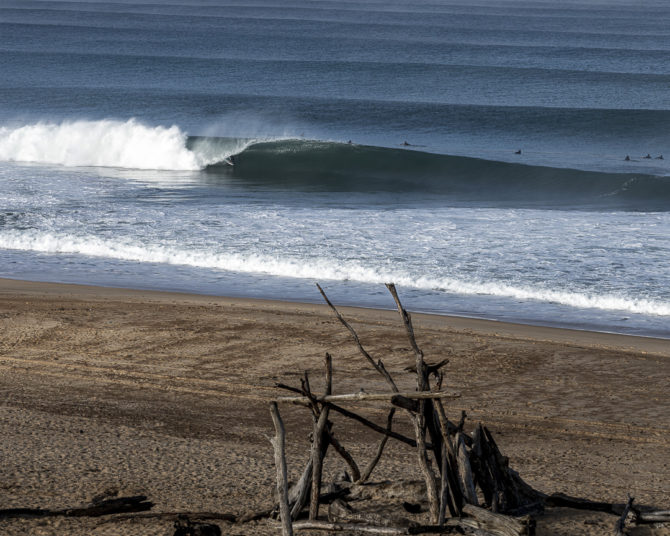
(495, 159)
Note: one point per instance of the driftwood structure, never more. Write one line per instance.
(467, 486)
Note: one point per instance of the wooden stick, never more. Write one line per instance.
(362, 395)
(420, 419)
(465, 473)
(319, 432)
(407, 321)
(278, 442)
(353, 466)
(378, 366)
(380, 449)
(299, 493)
(618, 528)
(424, 465)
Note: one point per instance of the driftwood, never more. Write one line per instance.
(421, 395)
(317, 441)
(380, 449)
(450, 528)
(656, 516)
(278, 442)
(621, 523)
(348, 458)
(566, 501)
(501, 524)
(342, 512)
(468, 485)
(105, 507)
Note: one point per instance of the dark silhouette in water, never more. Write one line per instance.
(518, 152)
(648, 157)
(659, 157)
(627, 159)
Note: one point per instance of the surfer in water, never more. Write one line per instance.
(659, 157)
(627, 159)
(518, 152)
(648, 157)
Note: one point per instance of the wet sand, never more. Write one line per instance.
(108, 391)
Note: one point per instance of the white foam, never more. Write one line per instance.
(317, 269)
(105, 143)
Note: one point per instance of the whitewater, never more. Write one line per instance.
(475, 159)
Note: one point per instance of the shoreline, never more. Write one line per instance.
(583, 337)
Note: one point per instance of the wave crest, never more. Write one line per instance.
(105, 143)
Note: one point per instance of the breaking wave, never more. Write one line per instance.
(318, 269)
(108, 143)
(310, 165)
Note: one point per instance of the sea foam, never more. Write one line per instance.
(318, 269)
(105, 143)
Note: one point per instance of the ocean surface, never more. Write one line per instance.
(474, 153)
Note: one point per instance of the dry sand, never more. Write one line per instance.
(127, 392)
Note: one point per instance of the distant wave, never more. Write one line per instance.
(310, 165)
(316, 269)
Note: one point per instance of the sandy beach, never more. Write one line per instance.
(121, 392)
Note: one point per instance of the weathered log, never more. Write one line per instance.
(299, 493)
(349, 527)
(621, 523)
(342, 512)
(380, 449)
(117, 505)
(278, 442)
(173, 516)
(320, 432)
(654, 516)
(424, 465)
(413, 491)
(450, 496)
(465, 472)
(566, 501)
(362, 395)
(452, 526)
(501, 524)
(455, 526)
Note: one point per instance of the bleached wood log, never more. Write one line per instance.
(657, 516)
(362, 395)
(278, 442)
(317, 440)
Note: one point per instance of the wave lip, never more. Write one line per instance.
(104, 143)
(319, 269)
